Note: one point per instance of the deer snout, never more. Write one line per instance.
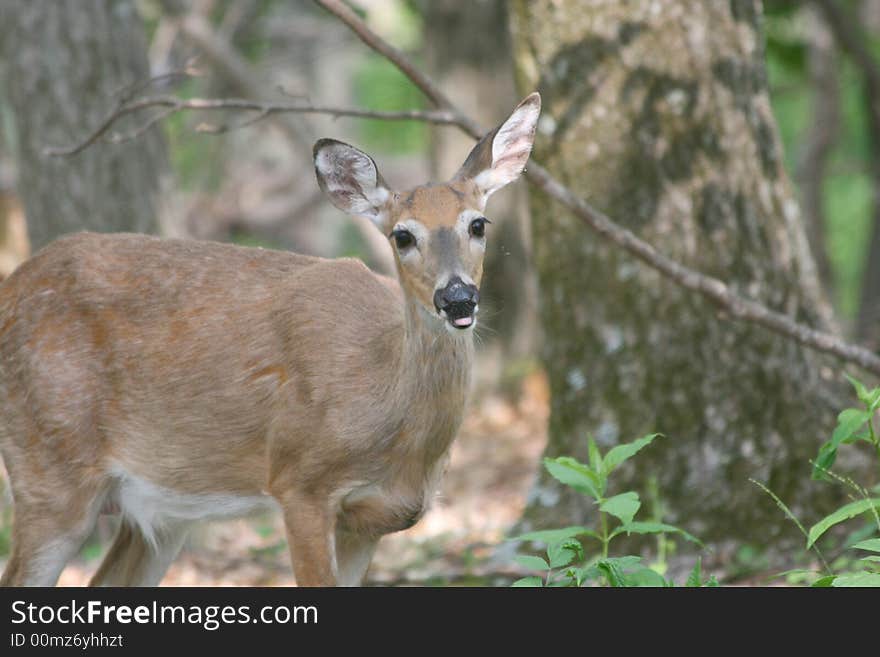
(458, 301)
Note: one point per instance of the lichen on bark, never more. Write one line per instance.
(66, 65)
(666, 126)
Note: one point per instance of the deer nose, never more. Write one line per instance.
(458, 299)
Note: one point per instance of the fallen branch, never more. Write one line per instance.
(734, 305)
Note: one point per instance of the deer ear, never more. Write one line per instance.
(499, 158)
(351, 180)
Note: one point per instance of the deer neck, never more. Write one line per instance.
(434, 381)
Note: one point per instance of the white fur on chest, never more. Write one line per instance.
(151, 507)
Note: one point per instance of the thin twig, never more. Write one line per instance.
(396, 57)
(117, 138)
(173, 104)
(734, 305)
(737, 307)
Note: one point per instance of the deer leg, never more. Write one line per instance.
(311, 537)
(135, 561)
(354, 553)
(44, 540)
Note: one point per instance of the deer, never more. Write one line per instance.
(172, 381)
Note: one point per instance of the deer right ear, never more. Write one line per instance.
(499, 158)
(351, 180)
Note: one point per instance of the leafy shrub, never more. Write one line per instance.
(567, 563)
(854, 425)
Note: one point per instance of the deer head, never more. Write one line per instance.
(437, 232)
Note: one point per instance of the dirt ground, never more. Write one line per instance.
(493, 464)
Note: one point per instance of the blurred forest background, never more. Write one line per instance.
(740, 139)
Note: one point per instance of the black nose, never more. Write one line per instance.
(458, 298)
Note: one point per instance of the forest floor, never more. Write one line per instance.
(493, 464)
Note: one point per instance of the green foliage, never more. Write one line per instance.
(847, 185)
(196, 159)
(845, 512)
(378, 85)
(567, 562)
(857, 579)
(854, 425)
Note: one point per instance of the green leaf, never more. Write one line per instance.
(872, 558)
(613, 569)
(531, 580)
(862, 435)
(861, 390)
(531, 562)
(586, 574)
(696, 576)
(638, 527)
(571, 472)
(564, 552)
(793, 571)
(595, 455)
(644, 576)
(553, 535)
(845, 512)
(870, 398)
(857, 579)
(824, 582)
(613, 573)
(623, 506)
(848, 422)
(872, 545)
(824, 460)
(621, 453)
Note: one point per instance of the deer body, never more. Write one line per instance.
(177, 380)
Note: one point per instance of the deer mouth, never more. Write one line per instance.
(461, 315)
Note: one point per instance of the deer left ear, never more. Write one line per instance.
(499, 158)
(351, 180)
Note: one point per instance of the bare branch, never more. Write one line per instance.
(733, 305)
(736, 306)
(173, 104)
(116, 138)
(423, 82)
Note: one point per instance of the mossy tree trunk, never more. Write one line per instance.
(657, 113)
(66, 64)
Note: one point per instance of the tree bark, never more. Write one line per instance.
(66, 64)
(658, 114)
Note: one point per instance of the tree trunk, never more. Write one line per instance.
(658, 114)
(67, 63)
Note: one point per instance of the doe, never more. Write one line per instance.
(175, 381)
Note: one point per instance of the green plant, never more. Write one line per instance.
(567, 562)
(854, 425)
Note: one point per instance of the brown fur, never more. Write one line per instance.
(308, 386)
(210, 372)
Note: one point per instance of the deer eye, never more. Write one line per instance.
(478, 227)
(403, 238)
